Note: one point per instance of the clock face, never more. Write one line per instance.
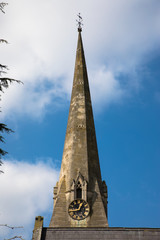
(78, 209)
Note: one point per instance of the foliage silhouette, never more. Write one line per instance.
(4, 84)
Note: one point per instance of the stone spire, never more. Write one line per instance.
(80, 162)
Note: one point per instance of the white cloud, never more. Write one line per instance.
(105, 88)
(117, 34)
(26, 191)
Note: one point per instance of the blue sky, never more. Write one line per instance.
(121, 41)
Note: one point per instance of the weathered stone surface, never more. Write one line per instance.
(80, 156)
(37, 232)
(100, 233)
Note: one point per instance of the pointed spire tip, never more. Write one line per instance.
(79, 29)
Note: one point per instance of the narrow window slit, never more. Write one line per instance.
(79, 190)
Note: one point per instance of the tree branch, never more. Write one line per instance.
(15, 237)
(4, 82)
(5, 225)
(1, 165)
(3, 41)
(3, 66)
(4, 128)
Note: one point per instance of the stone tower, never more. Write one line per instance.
(80, 175)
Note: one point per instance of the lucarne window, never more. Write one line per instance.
(79, 190)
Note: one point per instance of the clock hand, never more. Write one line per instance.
(80, 205)
(74, 210)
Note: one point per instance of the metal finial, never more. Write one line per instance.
(79, 22)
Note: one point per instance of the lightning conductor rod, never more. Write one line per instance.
(79, 22)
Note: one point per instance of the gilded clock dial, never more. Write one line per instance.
(78, 209)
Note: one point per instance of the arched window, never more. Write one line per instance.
(79, 190)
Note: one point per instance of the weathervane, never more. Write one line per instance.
(79, 21)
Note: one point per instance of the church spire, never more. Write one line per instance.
(80, 175)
